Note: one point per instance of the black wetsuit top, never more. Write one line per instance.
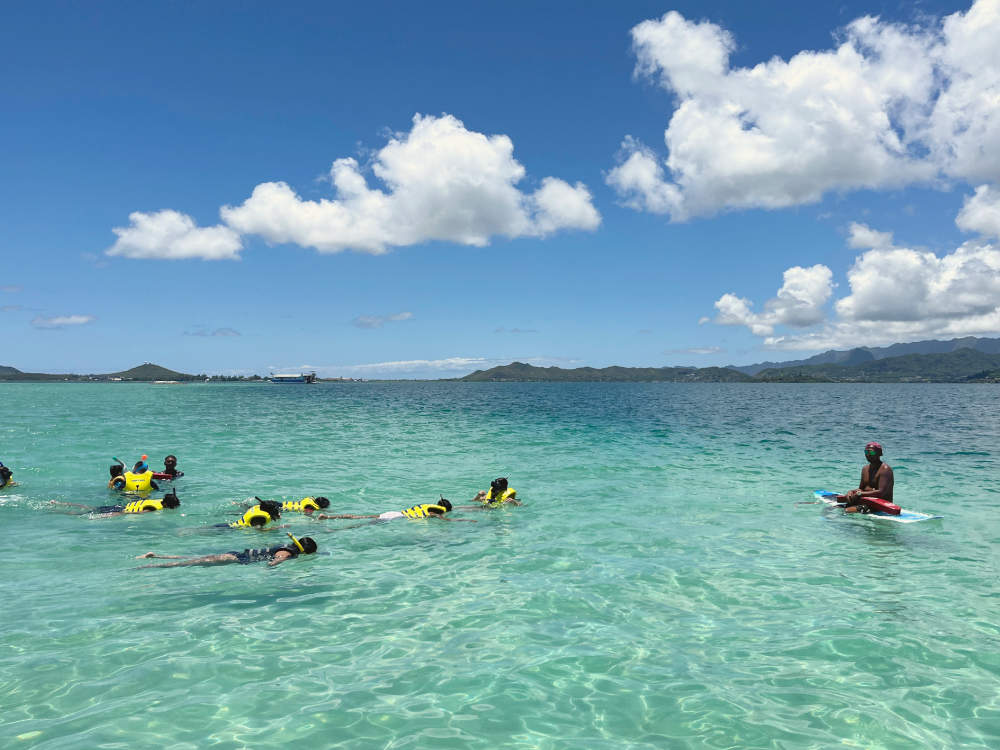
(261, 554)
(108, 509)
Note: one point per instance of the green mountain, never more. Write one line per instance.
(861, 354)
(963, 365)
(520, 372)
(146, 372)
(150, 371)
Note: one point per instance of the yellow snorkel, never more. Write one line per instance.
(297, 542)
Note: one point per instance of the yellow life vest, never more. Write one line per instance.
(508, 494)
(300, 506)
(251, 515)
(141, 506)
(138, 482)
(424, 511)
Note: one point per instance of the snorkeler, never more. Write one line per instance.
(426, 510)
(273, 555)
(117, 481)
(140, 479)
(6, 477)
(138, 506)
(307, 505)
(257, 517)
(498, 494)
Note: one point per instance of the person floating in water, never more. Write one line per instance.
(139, 480)
(257, 517)
(426, 510)
(498, 494)
(273, 555)
(307, 505)
(169, 469)
(876, 481)
(6, 477)
(146, 505)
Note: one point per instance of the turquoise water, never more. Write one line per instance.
(660, 587)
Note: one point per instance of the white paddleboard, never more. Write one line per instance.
(905, 516)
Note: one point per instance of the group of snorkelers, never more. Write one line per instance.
(141, 480)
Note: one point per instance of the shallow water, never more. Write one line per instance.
(660, 587)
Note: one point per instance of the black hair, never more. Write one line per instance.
(322, 502)
(170, 500)
(445, 503)
(116, 470)
(5, 473)
(308, 545)
(270, 507)
(170, 455)
(500, 483)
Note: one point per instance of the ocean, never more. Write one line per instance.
(666, 584)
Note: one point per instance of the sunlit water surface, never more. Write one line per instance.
(662, 586)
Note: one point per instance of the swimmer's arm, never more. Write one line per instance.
(279, 558)
(323, 516)
(153, 554)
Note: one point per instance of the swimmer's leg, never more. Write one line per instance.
(86, 508)
(225, 558)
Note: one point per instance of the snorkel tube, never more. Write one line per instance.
(298, 544)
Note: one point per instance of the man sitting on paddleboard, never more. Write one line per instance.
(876, 481)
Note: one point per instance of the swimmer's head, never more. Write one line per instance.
(322, 502)
(170, 500)
(116, 470)
(445, 503)
(139, 468)
(170, 460)
(308, 545)
(499, 485)
(873, 450)
(270, 507)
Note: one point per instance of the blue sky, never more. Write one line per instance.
(421, 190)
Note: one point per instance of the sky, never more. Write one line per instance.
(420, 190)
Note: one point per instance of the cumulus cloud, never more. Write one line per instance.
(377, 321)
(861, 236)
(170, 235)
(441, 182)
(61, 321)
(981, 212)
(891, 105)
(896, 294)
(798, 304)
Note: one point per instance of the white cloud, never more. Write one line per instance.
(798, 304)
(61, 321)
(170, 235)
(981, 212)
(443, 182)
(896, 294)
(892, 105)
(861, 236)
(203, 331)
(701, 350)
(377, 321)
(10, 288)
